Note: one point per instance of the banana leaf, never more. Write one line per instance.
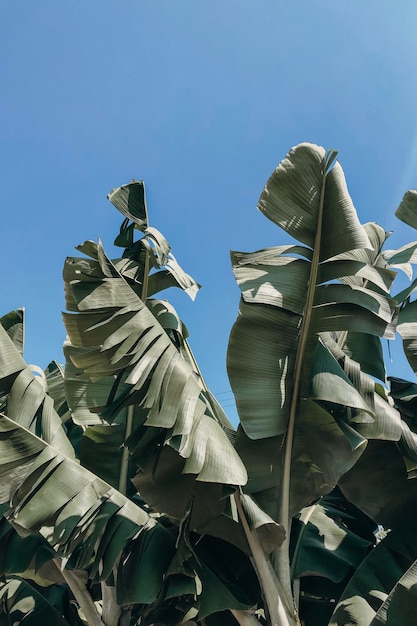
(119, 336)
(175, 421)
(404, 394)
(304, 310)
(329, 540)
(378, 484)
(387, 468)
(25, 400)
(92, 525)
(83, 518)
(13, 324)
(381, 590)
(80, 515)
(20, 603)
(28, 556)
(130, 200)
(407, 328)
(407, 210)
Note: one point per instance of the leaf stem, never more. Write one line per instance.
(81, 595)
(144, 293)
(124, 466)
(279, 614)
(282, 562)
(131, 409)
(245, 618)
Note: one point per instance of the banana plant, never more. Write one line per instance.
(128, 358)
(96, 410)
(310, 315)
(140, 497)
(129, 367)
(63, 524)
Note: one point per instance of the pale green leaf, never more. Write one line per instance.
(407, 211)
(260, 367)
(13, 324)
(130, 200)
(330, 383)
(291, 199)
(279, 281)
(126, 341)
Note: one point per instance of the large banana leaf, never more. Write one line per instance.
(136, 355)
(118, 335)
(91, 524)
(305, 308)
(181, 420)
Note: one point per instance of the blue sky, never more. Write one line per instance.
(201, 100)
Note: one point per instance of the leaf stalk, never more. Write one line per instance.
(282, 560)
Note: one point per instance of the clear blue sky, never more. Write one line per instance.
(201, 100)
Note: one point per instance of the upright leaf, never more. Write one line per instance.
(296, 301)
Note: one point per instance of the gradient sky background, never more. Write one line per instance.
(201, 100)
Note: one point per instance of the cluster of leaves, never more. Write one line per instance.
(128, 414)
(127, 494)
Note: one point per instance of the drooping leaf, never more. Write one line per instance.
(117, 334)
(167, 479)
(58, 493)
(329, 541)
(404, 394)
(378, 484)
(29, 557)
(403, 258)
(330, 538)
(25, 399)
(101, 451)
(20, 603)
(366, 596)
(180, 425)
(366, 350)
(54, 378)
